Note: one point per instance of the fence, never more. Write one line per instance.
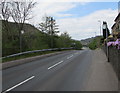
(114, 58)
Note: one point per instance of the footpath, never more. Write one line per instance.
(102, 77)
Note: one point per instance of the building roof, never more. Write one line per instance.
(113, 25)
(117, 17)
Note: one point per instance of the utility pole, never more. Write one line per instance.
(51, 18)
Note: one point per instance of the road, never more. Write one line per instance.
(69, 71)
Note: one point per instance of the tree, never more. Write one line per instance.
(96, 43)
(5, 8)
(44, 26)
(65, 39)
(49, 27)
(20, 12)
(77, 45)
(5, 12)
(66, 35)
(5, 15)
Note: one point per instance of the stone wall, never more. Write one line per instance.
(114, 58)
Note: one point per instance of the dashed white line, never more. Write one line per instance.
(69, 57)
(19, 84)
(55, 65)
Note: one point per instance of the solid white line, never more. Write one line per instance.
(55, 65)
(19, 84)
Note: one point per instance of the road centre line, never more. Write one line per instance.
(55, 65)
(69, 57)
(19, 84)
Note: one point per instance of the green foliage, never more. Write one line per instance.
(64, 40)
(49, 25)
(93, 44)
(96, 43)
(78, 45)
(32, 39)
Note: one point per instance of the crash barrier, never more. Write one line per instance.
(36, 51)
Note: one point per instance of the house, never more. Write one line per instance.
(116, 26)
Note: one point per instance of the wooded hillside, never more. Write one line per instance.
(32, 39)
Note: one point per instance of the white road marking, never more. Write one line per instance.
(55, 65)
(19, 84)
(69, 57)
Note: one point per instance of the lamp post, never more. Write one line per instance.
(21, 32)
(100, 25)
(105, 28)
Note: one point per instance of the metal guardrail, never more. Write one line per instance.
(35, 51)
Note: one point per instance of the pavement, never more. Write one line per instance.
(77, 70)
(102, 76)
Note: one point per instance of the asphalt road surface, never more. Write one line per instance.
(68, 71)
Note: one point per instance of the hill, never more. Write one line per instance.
(92, 43)
(31, 39)
(87, 41)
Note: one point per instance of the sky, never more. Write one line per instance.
(78, 18)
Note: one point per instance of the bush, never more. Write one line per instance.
(96, 43)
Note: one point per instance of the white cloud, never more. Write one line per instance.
(78, 0)
(71, 0)
(79, 28)
(86, 26)
(63, 15)
(50, 9)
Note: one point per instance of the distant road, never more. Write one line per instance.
(69, 71)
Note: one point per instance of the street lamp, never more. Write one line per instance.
(22, 32)
(100, 25)
(104, 26)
